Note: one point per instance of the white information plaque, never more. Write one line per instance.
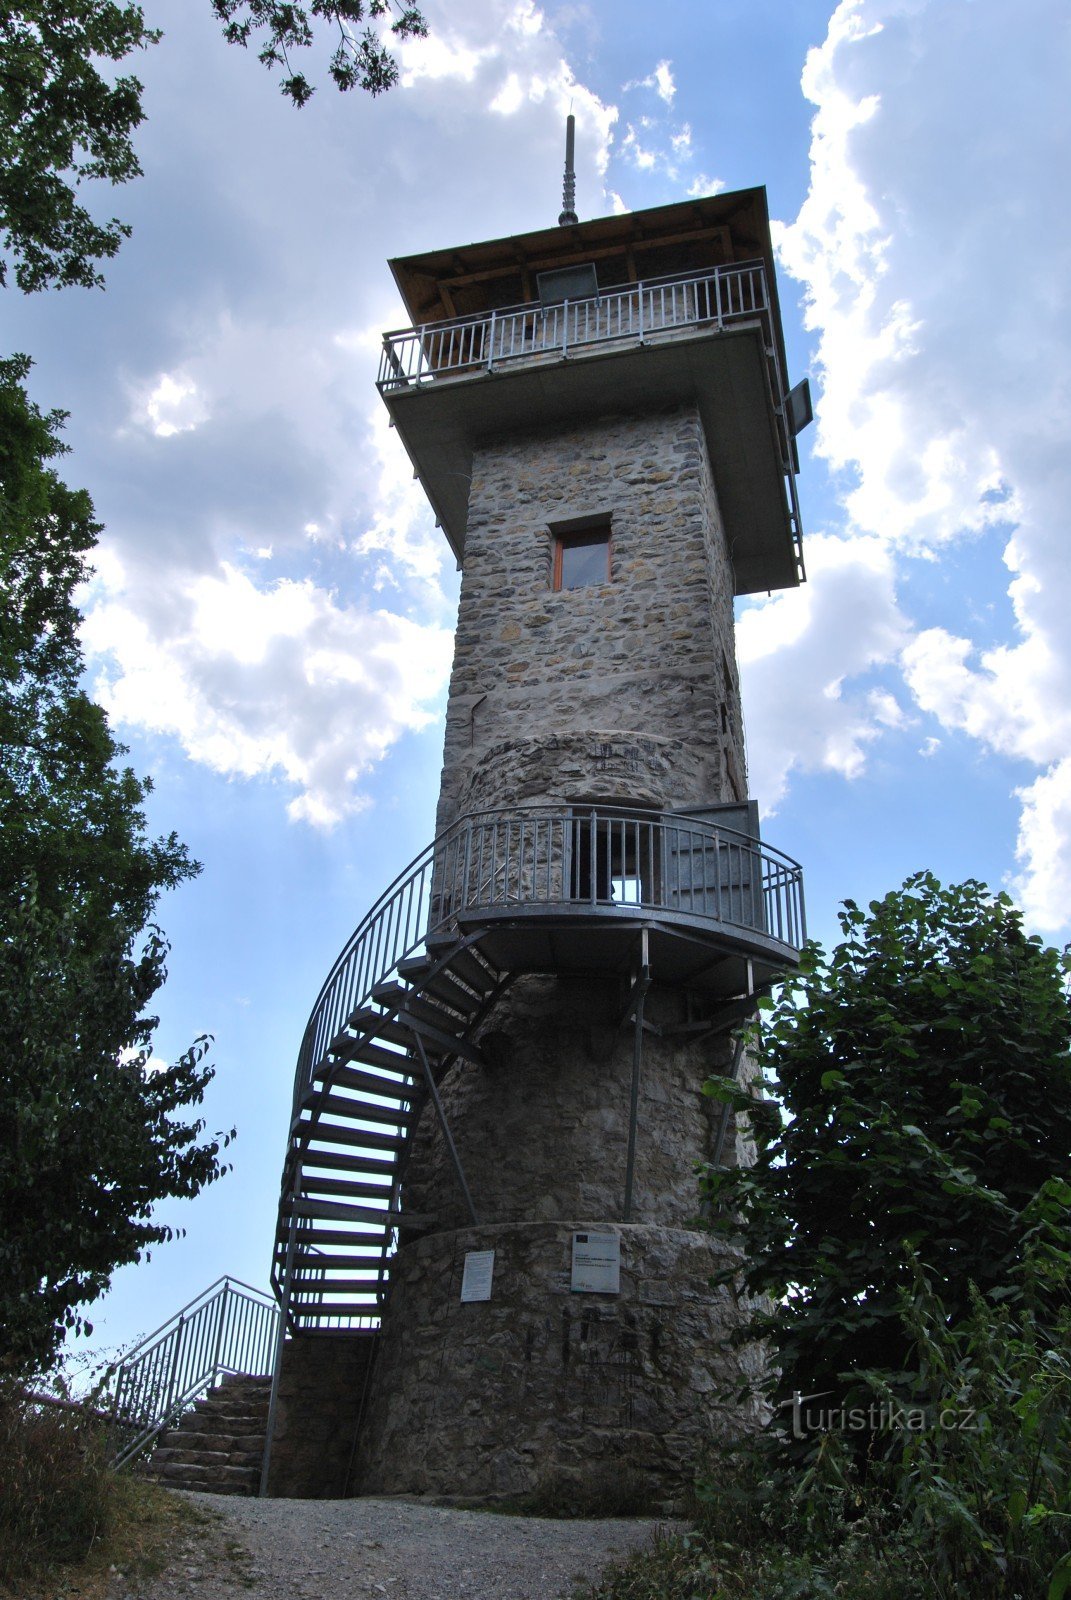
(596, 1263)
(476, 1278)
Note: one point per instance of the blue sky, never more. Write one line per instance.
(271, 617)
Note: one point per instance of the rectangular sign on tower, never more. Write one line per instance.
(596, 1263)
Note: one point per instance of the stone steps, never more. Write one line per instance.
(218, 1445)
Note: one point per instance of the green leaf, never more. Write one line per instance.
(1060, 1581)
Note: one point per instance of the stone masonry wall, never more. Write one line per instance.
(542, 1388)
(625, 689)
(321, 1384)
(543, 1133)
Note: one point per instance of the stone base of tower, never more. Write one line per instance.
(542, 1391)
(322, 1382)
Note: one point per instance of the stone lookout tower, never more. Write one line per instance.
(488, 1255)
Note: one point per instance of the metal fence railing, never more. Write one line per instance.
(230, 1328)
(632, 313)
(542, 859)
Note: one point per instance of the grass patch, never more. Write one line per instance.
(66, 1519)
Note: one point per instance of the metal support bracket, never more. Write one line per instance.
(639, 994)
(433, 1091)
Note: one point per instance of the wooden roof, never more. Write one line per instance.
(690, 236)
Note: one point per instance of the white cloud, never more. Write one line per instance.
(440, 56)
(1043, 883)
(402, 527)
(270, 682)
(655, 145)
(510, 97)
(271, 592)
(705, 185)
(942, 344)
(172, 404)
(641, 157)
(663, 78)
(798, 660)
(660, 80)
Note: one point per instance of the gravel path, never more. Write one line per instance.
(367, 1549)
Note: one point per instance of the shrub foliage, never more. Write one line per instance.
(924, 1076)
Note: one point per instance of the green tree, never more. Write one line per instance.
(91, 1131)
(63, 122)
(358, 59)
(924, 1076)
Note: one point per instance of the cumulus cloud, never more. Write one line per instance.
(271, 591)
(944, 407)
(280, 681)
(1043, 881)
(798, 663)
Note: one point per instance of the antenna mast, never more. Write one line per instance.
(568, 215)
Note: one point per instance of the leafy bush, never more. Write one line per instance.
(924, 1071)
(987, 1500)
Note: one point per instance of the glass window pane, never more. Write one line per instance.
(584, 563)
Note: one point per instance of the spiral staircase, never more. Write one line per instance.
(500, 894)
(340, 1217)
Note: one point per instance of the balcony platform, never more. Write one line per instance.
(708, 340)
(684, 950)
(723, 372)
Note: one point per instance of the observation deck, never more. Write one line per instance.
(602, 326)
(705, 339)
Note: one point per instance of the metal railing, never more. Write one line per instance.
(540, 861)
(230, 1328)
(632, 314)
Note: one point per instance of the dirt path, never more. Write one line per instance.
(370, 1549)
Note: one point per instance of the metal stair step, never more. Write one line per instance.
(425, 1008)
(345, 1047)
(368, 1306)
(359, 1240)
(468, 966)
(309, 1265)
(444, 985)
(357, 1110)
(358, 1282)
(355, 1188)
(322, 1236)
(389, 1028)
(344, 1133)
(340, 1161)
(368, 1082)
(337, 1211)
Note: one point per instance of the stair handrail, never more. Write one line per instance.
(414, 906)
(227, 1328)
